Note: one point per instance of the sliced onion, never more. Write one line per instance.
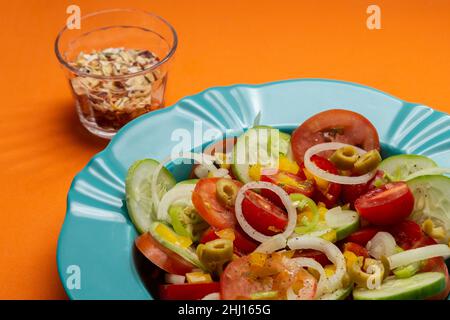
(292, 212)
(275, 243)
(174, 278)
(336, 217)
(428, 172)
(198, 157)
(182, 192)
(382, 244)
(221, 173)
(316, 171)
(311, 263)
(409, 256)
(212, 296)
(331, 251)
(201, 171)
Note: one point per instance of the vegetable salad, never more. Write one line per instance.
(316, 214)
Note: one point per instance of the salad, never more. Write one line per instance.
(316, 214)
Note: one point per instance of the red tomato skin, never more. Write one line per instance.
(162, 257)
(397, 204)
(187, 291)
(407, 233)
(317, 255)
(302, 186)
(356, 249)
(243, 244)
(363, 235)
(209, 207)
(332, 194)
(262, 214)
(438, 265)
(351, 192)
(356, 129)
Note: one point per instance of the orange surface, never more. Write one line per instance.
(221, 42)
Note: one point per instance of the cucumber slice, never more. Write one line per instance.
(401, 166)
(346, 230)
(339, 294)
(255, 147)
(285, 139)
(138, 191)
(432, 200)
(417, 287)
(167, 239)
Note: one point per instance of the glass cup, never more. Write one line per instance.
(117, 65)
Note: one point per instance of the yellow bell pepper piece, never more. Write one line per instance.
(169, 235)
(227, 234)
(322, 211)
(198, 277)
(254, 172)
(330, 270)
(284, 164)
(330, 236)
(258, 259)
(321, 183)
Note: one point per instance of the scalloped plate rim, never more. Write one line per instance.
(123, 130)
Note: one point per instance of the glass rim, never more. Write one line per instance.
(167, 57)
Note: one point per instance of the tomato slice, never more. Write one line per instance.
(438, 265)
(262, 214)
(389, 204)
(407, 234)
(209, 207)
(159, 255)
(187, 291)
(238, 282)
(351, 192)
(357, 249)
(334, 125)
(330, 194)
(317, 255)
(363, 236)
(243, 244)
(290, 183)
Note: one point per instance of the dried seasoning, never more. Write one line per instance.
(112, 102)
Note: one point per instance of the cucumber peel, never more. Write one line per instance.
(139, 194)
(186, 253)
(399, 167)
(339, 294)
(417, 287)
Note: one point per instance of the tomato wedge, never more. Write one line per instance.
(389, 204)
(187, 291)
(438, 265)
(357, 249)
(238, 282)
(363, 235)
(317, 255)
(159, 255)
(407, 234)
(290, 183)
(262, 214)
(243, 244)
(351, 192)
(334, 125)
(328, 194)
(209, 207)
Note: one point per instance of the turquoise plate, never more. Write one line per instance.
(96, 241)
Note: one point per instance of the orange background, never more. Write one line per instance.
(221, 42)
